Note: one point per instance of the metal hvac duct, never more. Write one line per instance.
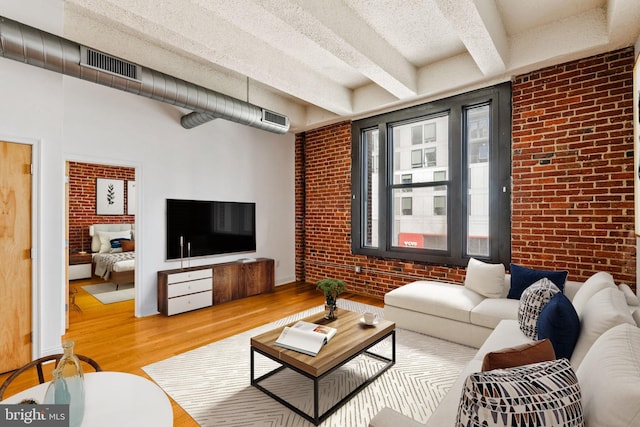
(35, 47)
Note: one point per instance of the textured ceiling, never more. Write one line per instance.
(320, 61)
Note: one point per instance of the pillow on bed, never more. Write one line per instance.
(116, 244)
(107, 236)
(128, 245)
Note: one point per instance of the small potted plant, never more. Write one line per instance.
(331, 288)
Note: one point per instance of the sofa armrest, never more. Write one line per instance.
(388, 417)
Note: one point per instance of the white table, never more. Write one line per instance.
(115, 399)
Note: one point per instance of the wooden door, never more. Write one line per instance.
(15, 253)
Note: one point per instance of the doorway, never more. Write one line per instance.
(15, 252)
(92, 294)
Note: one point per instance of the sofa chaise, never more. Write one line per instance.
(605, 353)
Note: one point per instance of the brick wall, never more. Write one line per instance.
(572, 184)
(573, 195)
(300, 196)
(82, 201)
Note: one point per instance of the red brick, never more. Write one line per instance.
(576, 213)
(82, 201)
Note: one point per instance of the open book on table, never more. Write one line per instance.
(305, 337)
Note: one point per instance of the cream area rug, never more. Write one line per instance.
(212, 383)
(106, 293)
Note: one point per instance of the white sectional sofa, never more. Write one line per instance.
(453, 312)
(607, 350)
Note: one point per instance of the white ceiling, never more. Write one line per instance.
(321, 61)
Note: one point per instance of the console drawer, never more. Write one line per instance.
(189, 275)
(189, 302)
(185, 288)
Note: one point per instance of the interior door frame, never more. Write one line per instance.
(124, 163)
(36, 299)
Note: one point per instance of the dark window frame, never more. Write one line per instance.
(499, 97)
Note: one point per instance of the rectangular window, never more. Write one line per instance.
(422, 183)
(430, 157)
(370, 182)
(477, 140)
(416, 159)
(439, 205)
(416, 135)
(407, 178)
(459, 205)
(430, 132)
(407, 206)
(421, 221)
(440, 176)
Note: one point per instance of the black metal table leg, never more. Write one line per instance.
(318, 417)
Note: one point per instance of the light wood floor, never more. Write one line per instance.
(118, 341)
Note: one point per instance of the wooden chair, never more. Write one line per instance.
(38, 365)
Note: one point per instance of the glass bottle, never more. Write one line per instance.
(67, 385)
(57, 392)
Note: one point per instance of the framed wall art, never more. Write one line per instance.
(131, 197)
(109, 196)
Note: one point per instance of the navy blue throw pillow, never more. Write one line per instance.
(523, 277)
(117, 243)
(559, 322)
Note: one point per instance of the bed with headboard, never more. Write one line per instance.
(113, 252)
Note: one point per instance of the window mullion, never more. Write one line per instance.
(456, 200)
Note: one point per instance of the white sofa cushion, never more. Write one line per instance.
(603, 311)
(599, 281)
(506, 334)
(609, 377)
(632, 298)
(491, 311)
(485, 279)
(447, 410)
(436, 298)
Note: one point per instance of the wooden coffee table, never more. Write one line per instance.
(352, 340)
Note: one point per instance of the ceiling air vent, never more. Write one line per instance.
(274, 118)
(109, 64)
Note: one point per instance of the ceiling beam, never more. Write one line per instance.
(622, 19)
(336, 29)
(355, 42)
(562, 40)
(203, 34)
(479, 26)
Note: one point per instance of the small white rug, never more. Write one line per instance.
(106, 293)
(212, 383)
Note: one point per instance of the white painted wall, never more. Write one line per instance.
(70, 119)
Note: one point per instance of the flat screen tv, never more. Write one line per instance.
(204, 228)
